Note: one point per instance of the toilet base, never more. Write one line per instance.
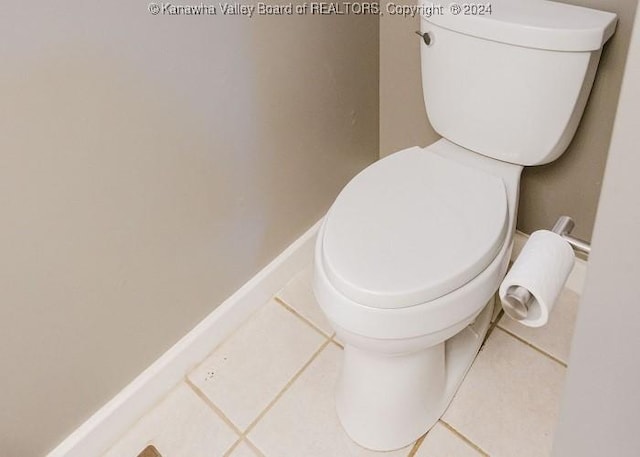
(386, 402)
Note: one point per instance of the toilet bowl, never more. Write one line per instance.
(395, 383)
(411, 253)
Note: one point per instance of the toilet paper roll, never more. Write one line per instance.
(543, 266)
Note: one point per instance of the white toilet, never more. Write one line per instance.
(411, 253)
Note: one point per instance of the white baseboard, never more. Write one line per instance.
(102, 429)
(578, 274)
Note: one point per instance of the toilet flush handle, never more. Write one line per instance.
(425, 37)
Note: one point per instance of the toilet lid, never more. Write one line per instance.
(411, 228)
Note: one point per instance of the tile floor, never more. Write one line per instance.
(267, 391)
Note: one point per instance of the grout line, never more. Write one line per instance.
(416, 445)
(497, 303)
(253, 447)
(243, 435)
(492, 327)
(532, 346)
(293, 311)
(212, 405)
(233, 447)
(249, 444)
(229, 336)
(337, 343)
(464, 438)
(286, 387)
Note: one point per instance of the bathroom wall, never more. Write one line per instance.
(571, 185)
(149, 166)
(601, 406)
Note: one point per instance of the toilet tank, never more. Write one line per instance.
(510, 80)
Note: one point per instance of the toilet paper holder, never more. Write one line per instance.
(516, 301)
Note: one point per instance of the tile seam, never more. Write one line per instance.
(213, 407)
(464, 438)
(534, 347)
(233, 447)
(253, 447)
(296, 313)
(416, 445)
(231, 334)
(285, 388)
(492, 327)
(337, 343)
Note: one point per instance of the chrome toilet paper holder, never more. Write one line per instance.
(517, 299)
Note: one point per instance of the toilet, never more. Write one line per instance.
(411, 253)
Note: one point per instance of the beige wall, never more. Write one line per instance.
(403, 119)
(149, 166)
(601, 406)
(571, 185)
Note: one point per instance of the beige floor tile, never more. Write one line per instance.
(555, 337)
(303, 422)
(243, 450)
(248, 370)
(508, 404)
(182, 425)
(442, 442)
(299, 295)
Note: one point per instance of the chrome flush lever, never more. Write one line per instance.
(425, 37)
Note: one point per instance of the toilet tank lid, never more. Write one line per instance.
(536, 24)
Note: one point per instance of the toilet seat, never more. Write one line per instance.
(411, 228)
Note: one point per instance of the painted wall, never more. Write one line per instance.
(149, 166)
(601, 406)
(571, 185)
